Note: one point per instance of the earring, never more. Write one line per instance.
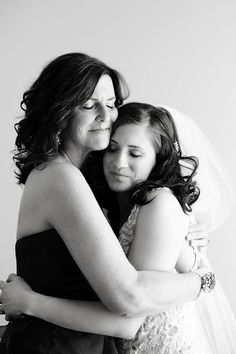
(176, 146)
(59, 138)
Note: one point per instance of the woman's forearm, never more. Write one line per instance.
(151, 292)
(158, 290)
(84, 316)
(154, 292)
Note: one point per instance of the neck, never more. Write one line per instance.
(124, 206)
(75, 158)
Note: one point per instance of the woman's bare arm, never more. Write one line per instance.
(74, 212)
(85, 316)
(95, 317)
(165, 226)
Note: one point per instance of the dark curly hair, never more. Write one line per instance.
(172, 169)
(49, 104)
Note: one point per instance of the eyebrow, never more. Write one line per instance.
(96, 99)
(130, 146)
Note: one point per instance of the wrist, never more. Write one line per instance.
(31, 303)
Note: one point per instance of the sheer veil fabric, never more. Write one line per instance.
(216, 198)
(216, 319)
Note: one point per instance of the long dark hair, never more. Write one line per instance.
(172, 169)
(49, 104)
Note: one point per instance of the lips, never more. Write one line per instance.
(100, 130)
(119, 175)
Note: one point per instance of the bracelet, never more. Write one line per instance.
(208, 281)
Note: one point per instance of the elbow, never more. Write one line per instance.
(128, 303)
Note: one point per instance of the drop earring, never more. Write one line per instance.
(59, 138)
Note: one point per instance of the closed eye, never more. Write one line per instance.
(89, 107)
(111, 106)
(134, 154)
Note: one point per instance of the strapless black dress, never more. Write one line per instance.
(45, 263)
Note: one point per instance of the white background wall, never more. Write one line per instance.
(178, 53)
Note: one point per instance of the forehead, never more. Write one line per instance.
(139, 135)
(104, 88)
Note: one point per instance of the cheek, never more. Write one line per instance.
(114, 115)
(80, 134)
(78, 127)
(147, 168)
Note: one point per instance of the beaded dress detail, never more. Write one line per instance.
(173, 332)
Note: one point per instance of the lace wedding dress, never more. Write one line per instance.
(206, 326)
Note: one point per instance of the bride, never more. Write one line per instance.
(204, 326)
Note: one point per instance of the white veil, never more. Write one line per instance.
(216, 320)
(216, 194)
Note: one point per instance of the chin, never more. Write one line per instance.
(101, 145)
(118, 188)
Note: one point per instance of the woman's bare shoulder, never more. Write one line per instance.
(161, 195)
(164, 202)
(63, 169)
(55, 176)
(55, 182)
(45, 188)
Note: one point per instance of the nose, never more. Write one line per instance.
(120, 161)
(103, 114)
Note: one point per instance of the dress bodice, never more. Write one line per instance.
(44, 261)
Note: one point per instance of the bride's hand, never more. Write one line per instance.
(198, 237)
(15, 296)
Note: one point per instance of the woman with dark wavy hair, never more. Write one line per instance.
(52, 102)
(154, 186)
(65, 247)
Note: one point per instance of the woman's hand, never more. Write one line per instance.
(198, 237)
(15, 296)
(194, 248)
